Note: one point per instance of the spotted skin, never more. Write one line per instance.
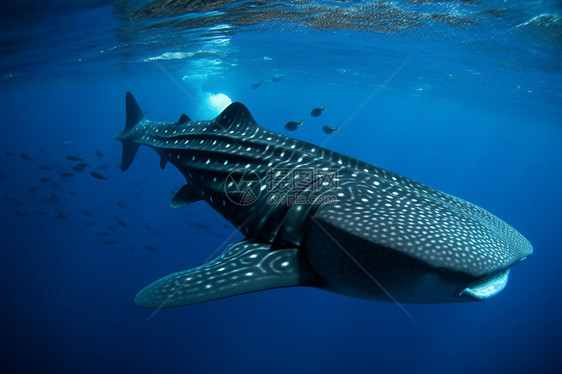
(244, 267)
(424, 245)
(441, 229)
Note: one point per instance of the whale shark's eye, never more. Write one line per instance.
(441, 272)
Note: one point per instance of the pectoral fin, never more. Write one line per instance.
(185, 196)
(246, 266)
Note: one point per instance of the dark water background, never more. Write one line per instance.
(465, 97)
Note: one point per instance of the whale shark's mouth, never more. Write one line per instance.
(491, 286)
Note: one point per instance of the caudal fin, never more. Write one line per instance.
(134, 112)
(134, 116)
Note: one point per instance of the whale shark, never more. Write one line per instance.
(313, 217)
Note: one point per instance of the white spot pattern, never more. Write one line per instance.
(375, 204)
(243, 267)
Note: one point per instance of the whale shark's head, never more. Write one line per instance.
(410, 241)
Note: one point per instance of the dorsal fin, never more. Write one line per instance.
(183, 119)
(234, 114)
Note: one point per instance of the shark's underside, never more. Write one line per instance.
(317, 218)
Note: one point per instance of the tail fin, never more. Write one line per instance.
(134, 116)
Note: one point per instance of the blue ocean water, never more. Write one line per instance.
(462, 96)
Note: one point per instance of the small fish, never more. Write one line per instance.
(328, 130)
(99, 154)
(25, 156)
(80, 167)
(149, 228)
(91, 223)
(45, 167)
(65, 174)
(293, 125)
(55, 199)
(19, 213)
(276, 78)
(104, 166)
(2, 176)
(150, 248)
(102, 233)
(133, 249)
(202, 226)
(121, 223)
(40, 212)
(110, 228)
(14, 201)
(110, 242)
(74, 158)
(121, 205)
(32, 189)
(8, 154)
(66, 142)
(45, 179)
(317, 111)
(86, 212)
(61, 216)
(256, 85)
(74, 193)
(97, 175)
